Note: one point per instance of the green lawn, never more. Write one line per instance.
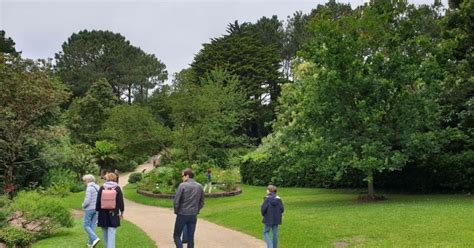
(128, 235)
(322, 217)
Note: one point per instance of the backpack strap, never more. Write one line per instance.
(96, 189)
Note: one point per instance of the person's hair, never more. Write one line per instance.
(188, 172)
(88, 178)
(111, 177)
(209, 170)
(272, 188)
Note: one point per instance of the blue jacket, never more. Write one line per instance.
(272, 209)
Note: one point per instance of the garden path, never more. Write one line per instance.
(158, 223)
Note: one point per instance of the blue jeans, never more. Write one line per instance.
(181, 221)
(109, 236)
(90, 221)
(266, 234)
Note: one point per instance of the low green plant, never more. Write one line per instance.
(229, 178)
(45, 210)
(57, 189)
(60, 177)
(78, 187)
(15, 237)
(135, 177)
(4, 210)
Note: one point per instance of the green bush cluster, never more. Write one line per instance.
(161, 180)
(4, 210)
(257, 169)
(42, 208)
(135, 177)
(229, 178)
(60, 182)
(165, 179)
(15, 237)
(46, 211)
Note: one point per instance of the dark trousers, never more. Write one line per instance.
(181, 221)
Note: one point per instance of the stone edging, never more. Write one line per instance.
(238, 191)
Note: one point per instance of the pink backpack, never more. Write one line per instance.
(108, 198)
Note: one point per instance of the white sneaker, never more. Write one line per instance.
(95, 242)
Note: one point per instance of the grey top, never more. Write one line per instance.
(189, 198)
(91, 196)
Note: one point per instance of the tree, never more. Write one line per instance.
(207, 116)
(159, 104)
(135, 132)
(297, 33)
(107, 155)
(7, 45)
(90, 55)
(256, 64)
(87, 114)
(29, 104)
(364, 93)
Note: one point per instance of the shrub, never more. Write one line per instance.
(15, 237)
(257, 169)
(126, 165)
(59, 190)
(229, 178)
(135, 177)
(60, 177)
(161, 180)
(48, 212)
(4, 210)
(78, 187)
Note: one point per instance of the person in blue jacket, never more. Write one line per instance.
(272, 211)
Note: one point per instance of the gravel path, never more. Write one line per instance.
(158, 223)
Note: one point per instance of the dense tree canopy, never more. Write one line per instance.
(256, 64)
(7, 45)
(135, 131)
(207, 117)
(86, 115)
(88, 56)
(29, 104)
(368, 94)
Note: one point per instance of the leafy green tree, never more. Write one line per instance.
(256, 64)
(88, 56)
(83, 161)
(297, 33)
(207, 117)
(106, 155)
(29, 104)
(7, 45)
(159, 104)
(365, 92)
(135, 132)
(87, 114)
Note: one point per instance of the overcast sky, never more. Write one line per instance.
(173, 30)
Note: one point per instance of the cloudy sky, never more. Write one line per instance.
(173, 30)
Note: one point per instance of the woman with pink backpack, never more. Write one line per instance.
(110, 207)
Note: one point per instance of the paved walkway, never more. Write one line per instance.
(158, 223)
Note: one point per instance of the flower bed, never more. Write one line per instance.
(237, 191)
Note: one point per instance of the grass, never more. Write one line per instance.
(323, 217)
(128, 235)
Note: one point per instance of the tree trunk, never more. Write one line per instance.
(9, 186)
(370, 183)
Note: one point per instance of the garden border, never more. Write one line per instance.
(238, 191)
